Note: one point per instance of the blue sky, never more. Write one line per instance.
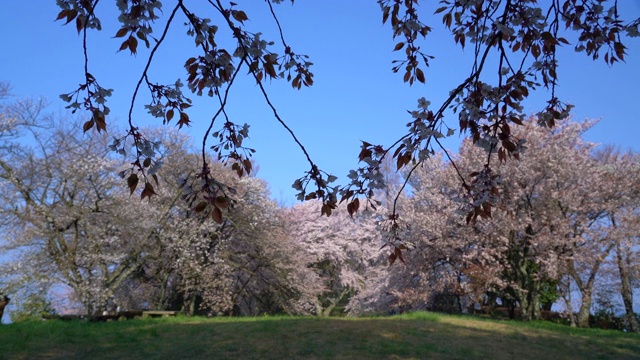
(355, 96)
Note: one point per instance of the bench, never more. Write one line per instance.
(110, 316)
(159, 313)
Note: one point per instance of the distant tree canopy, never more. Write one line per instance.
(566, 223)
(519, 38)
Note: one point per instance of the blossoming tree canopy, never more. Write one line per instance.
(513, 46)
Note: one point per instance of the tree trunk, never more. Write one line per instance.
(586, 287)
(566, 295)
(525, 315)
(535, 307)
(525, 272)
(585, 309)
(529, 306)
(572, 318)
(163, 301)
(192, 305)
(626, 290)
(332, 304)
(4, 300)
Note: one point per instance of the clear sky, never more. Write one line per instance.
(355, 96)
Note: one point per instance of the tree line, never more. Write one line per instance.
(564, 224)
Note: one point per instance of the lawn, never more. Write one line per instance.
(413, 336)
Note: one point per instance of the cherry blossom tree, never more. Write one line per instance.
(70, 221)
(237, 266)
(61, 198)
(627, 259)
(620, 173)
(342, 250)
(262, 265)
(432, 247)
(157, 283)
(549, 221)
(70, 218)
(598, 229)
(513, 47)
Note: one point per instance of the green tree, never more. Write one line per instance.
(33, 308)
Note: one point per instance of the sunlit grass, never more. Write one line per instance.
(409, 336)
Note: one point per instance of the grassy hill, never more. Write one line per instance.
(413, 336)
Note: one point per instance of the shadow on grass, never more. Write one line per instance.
(413, 337)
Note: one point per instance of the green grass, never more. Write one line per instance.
(412, 336)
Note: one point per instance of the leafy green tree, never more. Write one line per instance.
(33, 308)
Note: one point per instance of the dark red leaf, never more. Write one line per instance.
(239, 15)
(420, 75)
(216, 214)
(62, 14)
(87, 125)
(353, 206)
(147, 191)
(132, 183)
(385, 14)
(121, 33)
(399, 254)
(98, 117)
(71, 14)
(184, 120)
(79, 23)
(200, 207)
(407, 77)
(247, 165)
(440, 9)
(133, 44)
(221, 202)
